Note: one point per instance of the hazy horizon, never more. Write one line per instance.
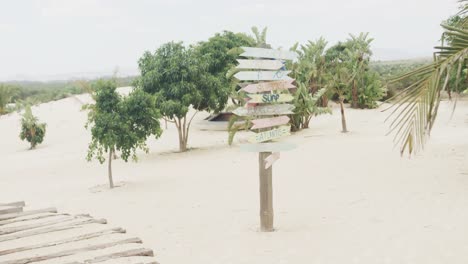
(52, 39)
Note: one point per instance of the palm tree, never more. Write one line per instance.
(415, 109)
(359, 52)
(338, 83)
(260, 38)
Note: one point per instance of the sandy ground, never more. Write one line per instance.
(338, 198)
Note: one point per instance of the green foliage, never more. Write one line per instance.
(43, 92)
(370, 91)
(391, 69)
(309, 72)
(310, 66)
(417, 105)
(306, 106)
(363, 88)
(260, 38)
(31, 130)
(339, 79)
(220, 53)
(120, 123)
(7, 95)
(235, 124)
(180, 78)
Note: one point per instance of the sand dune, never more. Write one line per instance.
(338, 198)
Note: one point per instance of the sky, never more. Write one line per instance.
(59, 39)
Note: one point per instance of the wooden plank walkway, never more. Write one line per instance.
(49, 237)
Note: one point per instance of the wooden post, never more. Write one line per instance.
(266, 193)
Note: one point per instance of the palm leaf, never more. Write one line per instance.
(416, 107)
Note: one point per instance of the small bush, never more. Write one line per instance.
(31, 130)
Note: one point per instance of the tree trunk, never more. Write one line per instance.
(449, 92)
(306, 121)
(266, 193)
(109, 168)
(354, 100)
(343, 119)
(181, 129)
(324, 101)
(33, 140)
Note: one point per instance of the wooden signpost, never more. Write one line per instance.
(270, 134)
(262, 110)
(268, 53)
(269, 122)
(260, 64)
(270, 91)
(270, 98)
(269, 86)
(263, 75)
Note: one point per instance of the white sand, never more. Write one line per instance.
(338, 198)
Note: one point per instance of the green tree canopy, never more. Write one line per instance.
(7, 93)
(181, 79)
(120, 123)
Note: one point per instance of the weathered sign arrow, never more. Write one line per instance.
(271, 159)
(260, 64)
(269, 135)
(270, 98)
(269, 86)
(278, 109)
(262, 75)
(268, 147)
(268, 53)
(269, 122)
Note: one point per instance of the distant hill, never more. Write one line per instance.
(419, 61)
(45, 91)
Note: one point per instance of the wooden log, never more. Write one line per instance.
(15, 204)
(124, 254)
(73, 251)
(25, 213)
(35, 217)
(266, 193)
(10, 209)
(10, 230)
(53, 229)
(64, 241)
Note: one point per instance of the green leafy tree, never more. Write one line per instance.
(309, 72)
(416, 107)
(371, 90)
(31, 130)
(120, 123)
(180, 78)
(7, 94)
(220, 53)
(306, 106)
(358, 53)
(354, 54)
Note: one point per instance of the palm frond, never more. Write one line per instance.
(416, 106)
